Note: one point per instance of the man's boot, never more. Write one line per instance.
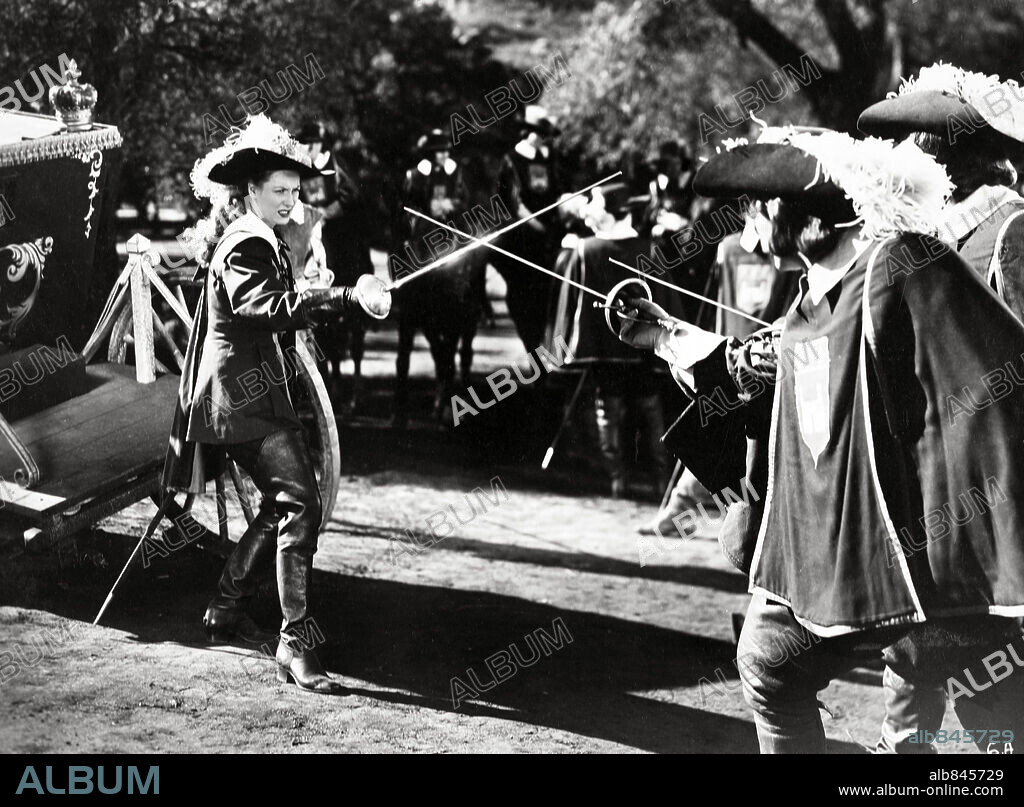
(688, 496)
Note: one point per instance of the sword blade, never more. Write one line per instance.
(486, 240)
(483, 243)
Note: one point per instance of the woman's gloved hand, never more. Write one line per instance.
(368, 295)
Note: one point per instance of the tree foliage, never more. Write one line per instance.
(167, 71)
(646, 70)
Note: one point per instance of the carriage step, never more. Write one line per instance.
(38, 377)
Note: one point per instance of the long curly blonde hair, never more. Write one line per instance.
(200, 240)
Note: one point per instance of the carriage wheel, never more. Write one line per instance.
(312, 404)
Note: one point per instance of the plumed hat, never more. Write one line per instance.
(261, 145)
(956, 104)
(891, 188)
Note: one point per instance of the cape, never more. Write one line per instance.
(188, 465)
(1003, 229)
(895, 489)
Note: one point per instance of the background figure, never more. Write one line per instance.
(670, 211)
(625, 379)
(529, 180)
(749, 280)
(985, 224)
(344, 235)
(445, 303)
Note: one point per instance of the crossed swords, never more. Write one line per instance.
(608, 302)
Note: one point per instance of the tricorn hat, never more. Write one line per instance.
(956, 104)
(670, 150)
(891, 188)
(247, 163)
(536, 119)
(619, 199)
(772, 171)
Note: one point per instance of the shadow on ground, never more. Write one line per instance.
(571, 670)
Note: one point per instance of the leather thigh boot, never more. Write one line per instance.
(225, 616)
(284, 474)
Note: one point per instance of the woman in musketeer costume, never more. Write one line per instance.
(856, 536)
(233, 401)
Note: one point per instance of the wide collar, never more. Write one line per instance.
(821, 279)
(529, 152)
(249, 225)
(964, 217)
(426, 167)
(619, 231)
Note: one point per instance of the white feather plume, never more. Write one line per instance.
(1000, 103)
(260, 133)
(893, 188)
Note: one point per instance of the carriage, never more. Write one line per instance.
(85, 419)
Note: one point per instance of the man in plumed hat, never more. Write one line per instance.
(852, 448)
(528, 180)
(973, 124)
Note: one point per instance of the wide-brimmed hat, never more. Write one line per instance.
(536, 119)
(261, 145)
(891, 188)
(433, 141)
(619, 198)
(771, 171)
(247, 163)
(961, 106)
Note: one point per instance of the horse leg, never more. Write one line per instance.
(446, 376)
(466, 350)
(406, 335)
(358, 337)
(438, 341)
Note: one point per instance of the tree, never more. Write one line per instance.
(673, 68)
(174, 75)
(153, 62)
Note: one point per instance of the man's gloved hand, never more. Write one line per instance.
(753, 362)
(643, 331)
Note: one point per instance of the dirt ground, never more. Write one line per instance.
(590, 651)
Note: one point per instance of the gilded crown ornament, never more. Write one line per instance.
(73, 102)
